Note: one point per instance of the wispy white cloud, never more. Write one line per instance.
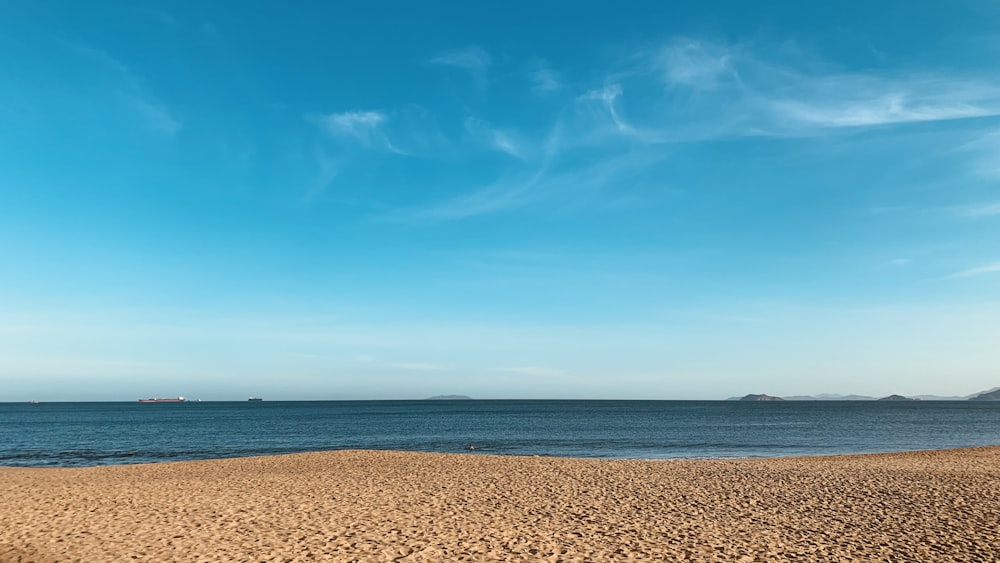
(883, 104)
(545, 81)
(470, 58)
(127, 85)
(686, 90)
(359, 124)
(505, 143)
(608, 97)
(156, 116)
(102, 58)
(499, 196)
(533, 371)
(696, 64)
(980, 270)
(362, 126)
(566, 186)
(497, 139)
(859, 100)
(718, 90)
(409, 130)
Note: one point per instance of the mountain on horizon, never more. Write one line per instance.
(841, 397)
(829, 397)
(993, 395)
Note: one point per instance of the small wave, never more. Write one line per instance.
(87, 458)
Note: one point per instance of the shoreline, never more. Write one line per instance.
(381, 505)
(486, 452)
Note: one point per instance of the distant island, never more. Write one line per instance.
(993, 395)
(449, 398)
(829, 397)
(988, 395)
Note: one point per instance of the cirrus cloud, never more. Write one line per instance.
(469, 58)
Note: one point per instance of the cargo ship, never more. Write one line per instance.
(158, 400)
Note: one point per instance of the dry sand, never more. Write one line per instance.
(394, 506)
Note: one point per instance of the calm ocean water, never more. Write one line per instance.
(75, 434)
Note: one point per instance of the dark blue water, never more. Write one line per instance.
(74, 434)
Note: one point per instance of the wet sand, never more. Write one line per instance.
(396, 506)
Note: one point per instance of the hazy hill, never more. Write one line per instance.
(840, 397)
(829, 397)
(993, 395)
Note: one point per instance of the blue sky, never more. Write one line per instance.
(534, 200)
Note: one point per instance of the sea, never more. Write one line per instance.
(108, 433)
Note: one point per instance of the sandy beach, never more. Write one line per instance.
(396, 506)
